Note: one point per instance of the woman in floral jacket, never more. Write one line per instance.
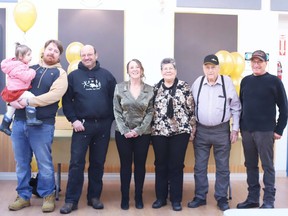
(172, 126)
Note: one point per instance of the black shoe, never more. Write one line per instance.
(176, 206)
(139, 204)
(95, 203)
(125, 204)
(267, 206)
(223, 204)
(159, 203)
(68, 208)
(247, 204)
(196, 202)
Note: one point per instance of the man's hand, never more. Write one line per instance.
(233, 136)
(277, 136)
(17, 105)
(23, 102)
(78, 126)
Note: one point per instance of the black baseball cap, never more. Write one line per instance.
(259, 54)
(211, 59)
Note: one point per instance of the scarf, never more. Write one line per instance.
(172, 91)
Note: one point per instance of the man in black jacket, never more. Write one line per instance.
(88, 105)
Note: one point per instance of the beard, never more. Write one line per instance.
(50, 60)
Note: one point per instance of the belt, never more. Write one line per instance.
(214, 126)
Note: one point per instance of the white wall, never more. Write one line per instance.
(149, 34)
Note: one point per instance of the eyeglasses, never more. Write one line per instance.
(257, 62)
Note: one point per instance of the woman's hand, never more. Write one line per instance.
(131, 134)
(134, 133)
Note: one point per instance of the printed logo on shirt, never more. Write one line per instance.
(91, 84)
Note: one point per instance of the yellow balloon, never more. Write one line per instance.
(236, 82)
(25, 15)
(73, 66)
(239, 65)
(41, 53)
(226, 62)
(34, 166)
(73, 51)
(60, 104)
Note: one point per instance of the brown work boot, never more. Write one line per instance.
(49, 203)
(18, 204)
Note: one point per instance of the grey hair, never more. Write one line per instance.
(168, 61)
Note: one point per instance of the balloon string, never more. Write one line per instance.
(24, 38)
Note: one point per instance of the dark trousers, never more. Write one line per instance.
(169, 164)
(259, 144)
(205, 138)
(96, 136)
(132, 150)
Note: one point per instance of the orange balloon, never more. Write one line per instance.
(226, 62)
(239, 65)
(73, 66)
(25, 15)
(73, 51)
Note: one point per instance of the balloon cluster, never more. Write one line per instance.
(73, 55)
(233, 65)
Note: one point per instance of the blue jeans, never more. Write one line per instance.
(25, 141)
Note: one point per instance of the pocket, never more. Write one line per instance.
(220, 103)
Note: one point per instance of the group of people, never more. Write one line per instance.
(168, 115)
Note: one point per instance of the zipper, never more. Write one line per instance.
(38, 86)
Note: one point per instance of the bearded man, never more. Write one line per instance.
(48, 86)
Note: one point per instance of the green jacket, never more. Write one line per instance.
(131, 113)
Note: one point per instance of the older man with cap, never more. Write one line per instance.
(260, 93)
(216, 102)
